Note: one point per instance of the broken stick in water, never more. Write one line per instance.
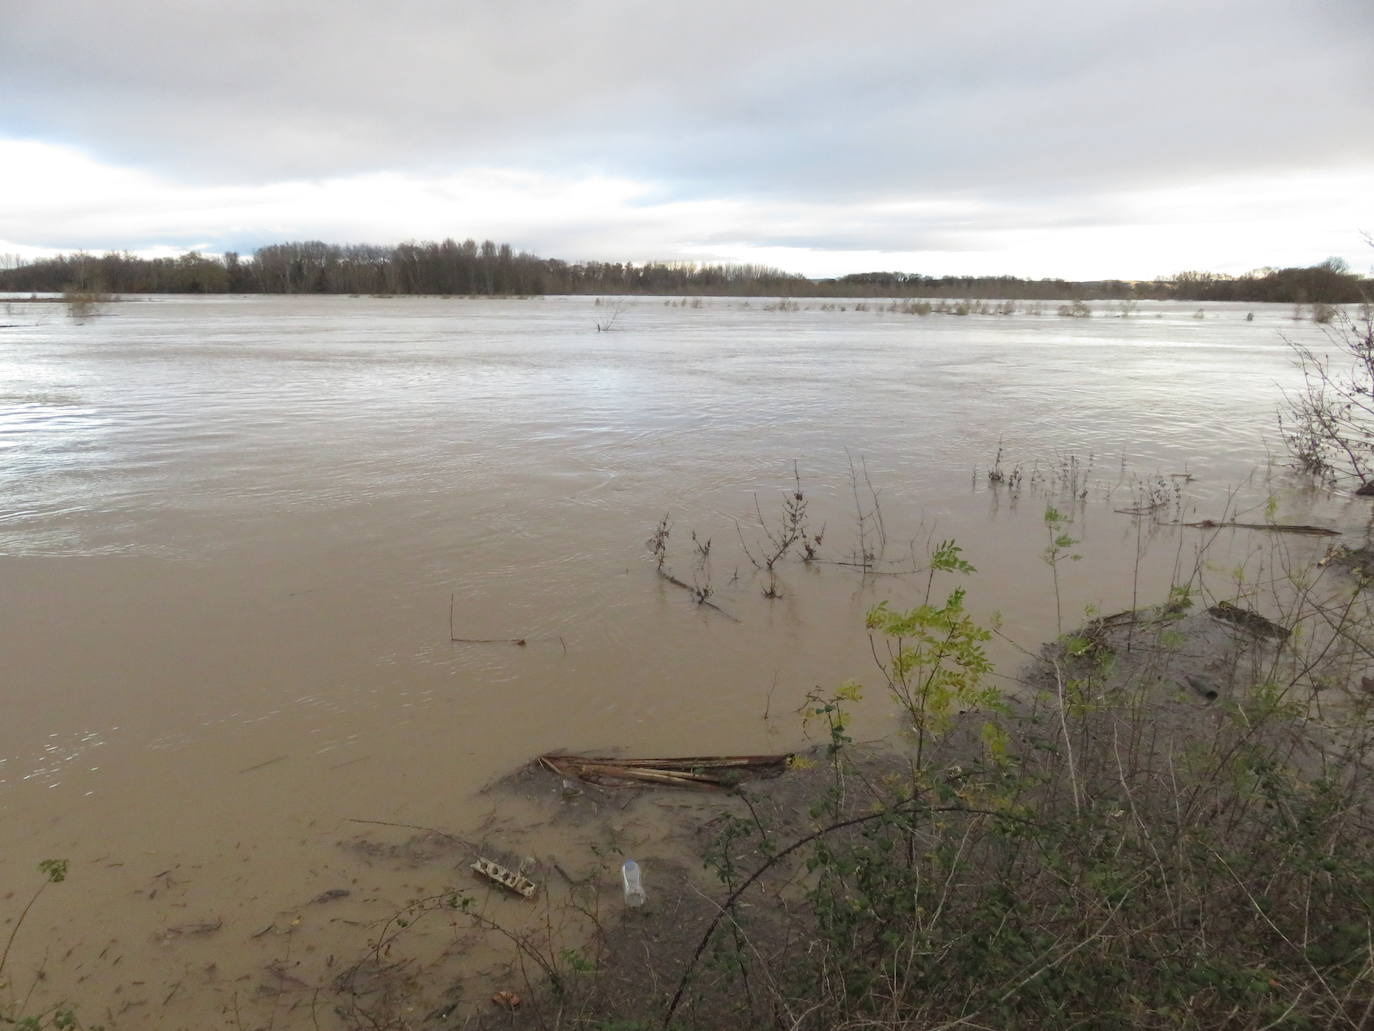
(710, 772)
(1311, 531)
(518, 641)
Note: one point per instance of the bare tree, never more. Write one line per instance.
(1329, 423)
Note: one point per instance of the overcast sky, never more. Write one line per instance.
(1077, 138)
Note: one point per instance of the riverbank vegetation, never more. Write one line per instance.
(1169, 827)
(486, 269)
(1166, 820)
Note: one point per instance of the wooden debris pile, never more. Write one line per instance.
(1248, 619)
(708, 772)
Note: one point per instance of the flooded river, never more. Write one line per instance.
(238, 534)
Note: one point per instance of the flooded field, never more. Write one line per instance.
(237, 537)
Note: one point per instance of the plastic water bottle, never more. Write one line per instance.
(634, 890)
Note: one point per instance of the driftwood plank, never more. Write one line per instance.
(691, 762)
(1310, 531)
(706, 771)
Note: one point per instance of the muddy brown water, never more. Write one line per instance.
(233, 533)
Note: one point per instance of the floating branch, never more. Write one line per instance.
(867, 567)
(711, 773)
(1248, 619)
(265, 762)
(520, 642)
(700, 592)
(1139, 510)
(1311, 531)
(697, 594)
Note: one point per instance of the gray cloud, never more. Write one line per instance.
(802, 99)
(1005, 116)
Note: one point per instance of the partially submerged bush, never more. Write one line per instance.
(83, 302)
(1329, 423)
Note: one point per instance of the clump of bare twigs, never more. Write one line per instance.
(1155, 496)
(1328, 424)
(701, 568)
(606, 324)
(1067, 477)
(1002, 476)
(868, 518)
(791, 531)
(658, 542)
(83, 301)
(700, 588)
(910, 307)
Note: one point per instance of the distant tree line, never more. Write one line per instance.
(444, 268)
(1329, 282)
(488, 268)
